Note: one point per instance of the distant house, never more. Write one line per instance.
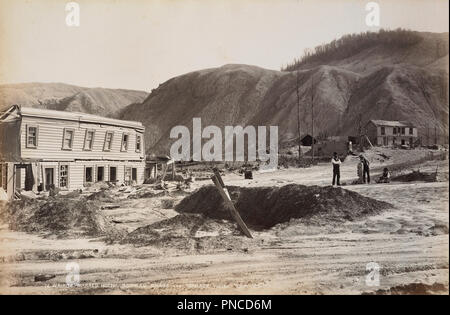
(41, 149)
(391, 133)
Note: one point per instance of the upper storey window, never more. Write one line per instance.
(138, 143)
(108, 141)
(89, 140)
(32, 136)
(68, 139)
(125, 138)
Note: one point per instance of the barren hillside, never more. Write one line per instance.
(398, 75)
(242, 95)
(61, 96)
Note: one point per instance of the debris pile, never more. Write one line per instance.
(102, 195)
(264, 207)
(191, 233)
(59, 216)
(416, 176)
(146, 192)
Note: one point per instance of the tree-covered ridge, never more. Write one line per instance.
(352, 44)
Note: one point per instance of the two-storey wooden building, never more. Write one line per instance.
(391, 133)
(42, 148)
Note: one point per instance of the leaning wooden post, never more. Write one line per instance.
(226, 197)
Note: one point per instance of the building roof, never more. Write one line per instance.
(159, 159)
(391, 123)
(75, 116)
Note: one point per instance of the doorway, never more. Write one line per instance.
(112, 174)
(88, 175)
(134, 174)
(18, 179)
(100, 173)
(49, 178)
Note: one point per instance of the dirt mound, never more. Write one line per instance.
(190, 232)
(416, 176)
(18, 210)
(58, 216)
(264, 207)
(413, 289)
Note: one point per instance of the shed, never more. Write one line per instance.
(307, 140)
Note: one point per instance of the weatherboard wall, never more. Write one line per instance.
(50, 141)
(76, 173)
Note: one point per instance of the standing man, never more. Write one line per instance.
(350, 148)
(336, 169)
(366, 170)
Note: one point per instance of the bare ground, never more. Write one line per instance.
(409, 242)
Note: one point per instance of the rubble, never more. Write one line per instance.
(146, 192)
(190, 233)
(416, 176)
(103, 196)
(59, 217)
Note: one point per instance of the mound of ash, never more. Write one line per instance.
(264, 207)
(59, 217)
(190, 232)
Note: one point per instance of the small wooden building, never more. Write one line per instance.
(158, 162)
(391, 133)
(307, 140)
(41, 149)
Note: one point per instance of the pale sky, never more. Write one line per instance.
(138, 44)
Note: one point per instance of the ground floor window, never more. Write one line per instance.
(4, 176)
(134, 174)
(100, 173)
(64, 176)
(88, 175)
(112, 174)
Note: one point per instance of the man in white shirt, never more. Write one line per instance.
(336, 169)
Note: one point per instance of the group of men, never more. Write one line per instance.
(363, 171)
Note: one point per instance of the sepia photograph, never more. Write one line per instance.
(224, 152)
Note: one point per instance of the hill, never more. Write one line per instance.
(59, 96)
(392, 75)
(241, 95)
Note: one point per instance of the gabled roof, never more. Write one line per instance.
(73, 116)
(391, 123)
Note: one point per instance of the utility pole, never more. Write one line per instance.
(435, 135)
(298, 118)
(312, 116)
(360, 132)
